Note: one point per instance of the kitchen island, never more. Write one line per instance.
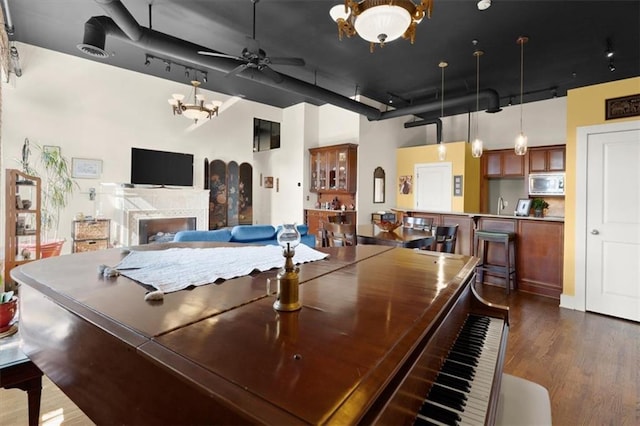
(539, 241)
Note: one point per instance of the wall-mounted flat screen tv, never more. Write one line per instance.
(150, 167)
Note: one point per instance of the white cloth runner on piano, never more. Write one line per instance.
(178, 268)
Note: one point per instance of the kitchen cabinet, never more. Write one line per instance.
(316, 218)
(90, 235)
(22, 221)
(502, 163)
(547, 159)
(333, 169)
(539, 242)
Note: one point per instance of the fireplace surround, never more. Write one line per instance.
(136, 206)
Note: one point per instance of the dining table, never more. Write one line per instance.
(399, 237)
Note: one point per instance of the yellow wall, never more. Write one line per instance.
(462, 163)
(585, 107)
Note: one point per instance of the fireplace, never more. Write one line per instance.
(135, 208)
(162, 230)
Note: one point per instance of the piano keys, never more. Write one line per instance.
(461, 392)
(376, 327)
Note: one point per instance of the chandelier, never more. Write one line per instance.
(380, 21)
(197, 110)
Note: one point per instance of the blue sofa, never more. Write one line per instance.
(251, 234)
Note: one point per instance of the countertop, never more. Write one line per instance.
(501, 216)
(329, 210)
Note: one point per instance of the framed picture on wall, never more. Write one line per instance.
(523, 207)
(268, 181)
(86, 168)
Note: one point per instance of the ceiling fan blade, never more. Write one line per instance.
(218, 55)
(237, 70)
(271, 74)
(287, 61)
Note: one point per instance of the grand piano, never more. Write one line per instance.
(385, 336)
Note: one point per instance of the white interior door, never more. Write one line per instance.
(433, 187)
(613, 224)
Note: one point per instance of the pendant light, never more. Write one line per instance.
(476, 145)
(442, 150)
(521, 140)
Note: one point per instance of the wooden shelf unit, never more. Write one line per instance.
(334, 169)
(22, 225)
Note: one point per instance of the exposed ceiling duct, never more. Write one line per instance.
(435, 121)
(122, 25)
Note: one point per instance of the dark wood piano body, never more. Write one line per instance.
(375, 319)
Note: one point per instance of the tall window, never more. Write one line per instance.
(266, 135)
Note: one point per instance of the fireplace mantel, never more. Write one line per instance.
(134, 204)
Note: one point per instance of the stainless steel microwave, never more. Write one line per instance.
(546, 184)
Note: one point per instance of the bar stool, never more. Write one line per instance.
(481, 240)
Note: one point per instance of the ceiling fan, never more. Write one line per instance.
(254, 58)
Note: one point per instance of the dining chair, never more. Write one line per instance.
(445, 238)
(340, 234)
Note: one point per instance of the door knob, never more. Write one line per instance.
(595, 232)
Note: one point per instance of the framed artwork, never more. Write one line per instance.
(625, 106)
(86, 168)
(51, 148)
(523, 207)
(405, 184)
(268, 181)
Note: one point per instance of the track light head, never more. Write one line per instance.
(609, 52)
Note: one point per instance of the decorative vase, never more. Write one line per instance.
(7, 312)
(538, 213)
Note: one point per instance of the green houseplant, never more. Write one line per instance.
(538, 205)
(57, 187)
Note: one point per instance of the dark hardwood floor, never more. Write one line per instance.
(589, 363)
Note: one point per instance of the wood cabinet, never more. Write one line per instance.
(315, 219)
(90, 235)
(539, 257)
(539, 245)
(22, 221)
(333, 169)
(547, 159)
(502, 163)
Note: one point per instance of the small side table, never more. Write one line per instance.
(18, 372)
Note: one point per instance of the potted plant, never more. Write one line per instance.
(8, 308)
(57, 187)
(538, 205)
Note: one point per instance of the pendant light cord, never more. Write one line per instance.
(477, 90)
(442, 66)
(522, 41)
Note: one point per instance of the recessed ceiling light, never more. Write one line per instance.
(484, 4)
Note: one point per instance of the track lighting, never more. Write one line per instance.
(609, 52)
(167, 68)
(612, 67)
(204, 78)
(147, 62)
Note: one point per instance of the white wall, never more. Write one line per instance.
(94, 110)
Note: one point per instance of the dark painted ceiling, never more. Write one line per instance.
(566, 48)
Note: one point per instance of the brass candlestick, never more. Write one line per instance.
(287, 297)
